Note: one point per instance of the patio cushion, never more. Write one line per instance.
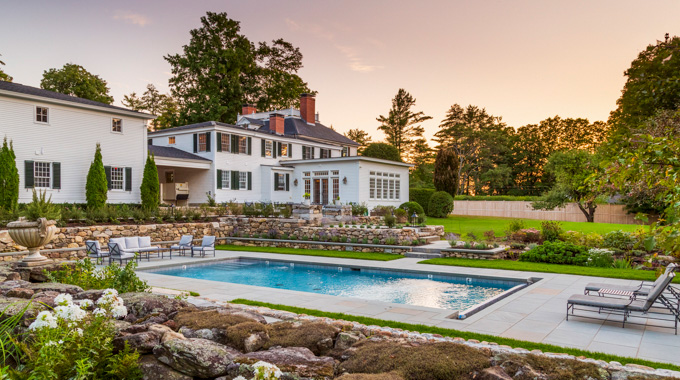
(119, 241)
(144, 241)
(131, 242)
(605, 302)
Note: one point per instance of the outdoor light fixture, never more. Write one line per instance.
(344, 181)
(295, 182)
(414, 217)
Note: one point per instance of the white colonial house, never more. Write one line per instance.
(274, 156)
(55, 136)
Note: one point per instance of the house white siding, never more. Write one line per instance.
(365, 170)
(69, 138)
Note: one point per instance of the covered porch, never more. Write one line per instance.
(184, 177)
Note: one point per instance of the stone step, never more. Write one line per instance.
(422, 255)
(430, 238)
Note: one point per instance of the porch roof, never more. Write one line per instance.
(169, 156)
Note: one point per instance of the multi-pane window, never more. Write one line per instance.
(384, 186)
(41, 174)
(307, 153)
(336, 188)
(284, 150)
(41, 114)
(117, 178)
(171, 140)
(116, 125)
(345, 151)
(243, 145)
(225, 142)
(397, 187)
(268, 148)
(202, 142)
(391, 189)
(371, 188)
(280, 182)
(226, 179)
(242, 180)
(308, 186)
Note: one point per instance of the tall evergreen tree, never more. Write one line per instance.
(9, 177)
(402, 125)
(360, 137)
(446, 171)
(97, 187)
(150, 187)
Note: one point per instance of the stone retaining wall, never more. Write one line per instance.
(315, 245)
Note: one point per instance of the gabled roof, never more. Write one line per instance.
(297, 126)
(39, 92)
(171, 152)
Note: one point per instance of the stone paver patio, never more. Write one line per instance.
(536, 313)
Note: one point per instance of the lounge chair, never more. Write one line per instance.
(116, 253)
(185, 243)
(94, 250)
(207, 245)
(626, 306)
(638, 290)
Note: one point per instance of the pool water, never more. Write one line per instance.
(437, 291)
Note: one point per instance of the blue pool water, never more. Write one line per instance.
(438, 291)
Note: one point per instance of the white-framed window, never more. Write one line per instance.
(345, 151)
(268, 148)
(336, 188)
(202, 142)
(225, 142)
(391, 182)
(171, 140)
(42, 174)
(280, 182)
(397, 191)
(284, 150)
(117, 178)
(117, 125)
(226, 179)
(243, 145)
(325, 153)
(384, 186)
(307, 153)
(243, 180)
(371, 188)
(308, 186)
(42, 114)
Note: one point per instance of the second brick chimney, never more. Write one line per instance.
(276, 121)
(307, 108)
(248, 109)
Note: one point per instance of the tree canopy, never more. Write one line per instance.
(74, 80)
(402, 125)
(220, 69)
(446, 171)
(359, 136)
(3, 75)
(382, 150)
(152, 101)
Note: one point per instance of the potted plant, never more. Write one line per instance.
(36, 228)
(307, 197)
(336, 201)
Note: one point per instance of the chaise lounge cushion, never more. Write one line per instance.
(605, 302)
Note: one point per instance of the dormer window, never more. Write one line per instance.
(42, 115)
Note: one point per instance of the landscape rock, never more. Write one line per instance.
(493, 373)
(144, 342)
(155, 370)
(55, 287)
(298, 360)
(196, 357)
(20, 293)
(142, 304)
(345, 340)
(92, 295)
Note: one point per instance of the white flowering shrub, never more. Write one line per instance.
(263, 371)
(75, 341)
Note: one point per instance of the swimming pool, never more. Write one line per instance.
(412, 288)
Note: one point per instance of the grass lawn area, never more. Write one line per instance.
(463, 334)
(626, 274)
(462, 224)
(314, 252)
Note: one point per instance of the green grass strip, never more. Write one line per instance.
(314, 252)
(626, 274)
(462, 334)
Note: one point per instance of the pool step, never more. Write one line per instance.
(233, 265)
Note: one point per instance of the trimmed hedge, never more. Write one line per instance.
(421, 196)
(412, 207)
(441, 205)
(557, 252)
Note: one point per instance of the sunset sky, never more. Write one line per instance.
(522, 60)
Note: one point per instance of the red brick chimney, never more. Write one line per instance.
(248, 109)
(276, 123)
(307, 108)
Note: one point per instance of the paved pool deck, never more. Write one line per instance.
(535, 313)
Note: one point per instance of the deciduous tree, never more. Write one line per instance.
(74, 80)
(3, 75)
(383, 151)
(152, 101)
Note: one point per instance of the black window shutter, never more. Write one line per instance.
(304, 152)
(28, 174)
(312, 152)
(195, 142)
(250, 180)
(276, 181)
(287, 182)
(263, 147)
(149, 142)
(128, 179)
(290, 150)
(234, 180)
(250, 145)
(107, 170)
(234, 144)
(207, 141)
(218, 137)
(274, 149)
(56, 175)
(219, 178)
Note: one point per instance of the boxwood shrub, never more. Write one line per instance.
(441, 205)
(412, 207)
(420, 196)
(557, 252)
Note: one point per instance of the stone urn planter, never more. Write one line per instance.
(32, 235)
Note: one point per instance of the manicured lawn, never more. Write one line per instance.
(626, 274)
(461, 224)
(462, 334)
(314, 252)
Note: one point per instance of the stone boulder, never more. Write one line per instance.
(12, 284)
(297, 360)
(493, 373)
(56, 287)
(196, 357)
(92, 295)
(20, 293)
(142, 304)
(345, 340)
(155, 370)
(143, 342)
(371, 376)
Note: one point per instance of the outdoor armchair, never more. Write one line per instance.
(207, 245)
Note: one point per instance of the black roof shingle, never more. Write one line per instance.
(170, 152)
(297, 126)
